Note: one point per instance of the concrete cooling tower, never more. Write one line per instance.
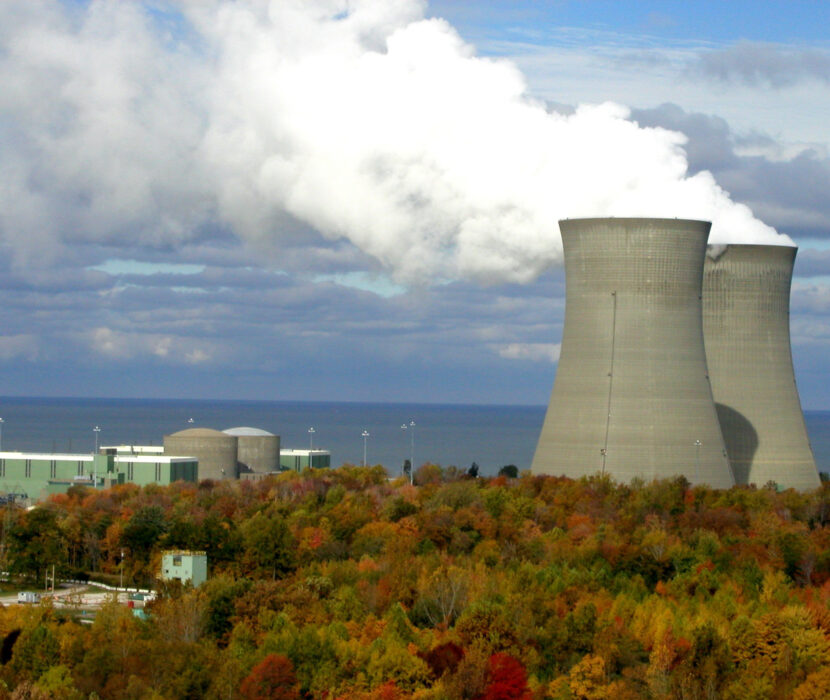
(746, 327)
(631, 396)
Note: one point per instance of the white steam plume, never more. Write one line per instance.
(358, 117)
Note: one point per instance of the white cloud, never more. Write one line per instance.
(536, 352)
(594, 66)
(128, 345)
(138, 267)
(362, 120)
(264, 147)
(197, 357)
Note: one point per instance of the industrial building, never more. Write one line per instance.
(234, 453)
(131, 450)
(258, 451)
(297, 460)
(631, 396)
(36, 476)
(215, 451)
(189, 455)
(746, 328)
(184, 566)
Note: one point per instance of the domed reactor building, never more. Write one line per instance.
(746, 327)
(631, 397)
(215, 451)
(258, 450)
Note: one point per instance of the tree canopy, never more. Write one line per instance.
(345, 584)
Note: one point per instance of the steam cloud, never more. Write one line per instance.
(359, 118)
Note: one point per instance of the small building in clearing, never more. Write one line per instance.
(185, 566)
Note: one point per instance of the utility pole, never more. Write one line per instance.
(364, 435)
(412, 450)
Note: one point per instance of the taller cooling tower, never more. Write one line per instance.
(746, 326)
(631, 396)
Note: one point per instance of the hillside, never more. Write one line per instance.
(343, 584)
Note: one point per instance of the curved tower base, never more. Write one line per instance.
(746, 327)
(631, 396)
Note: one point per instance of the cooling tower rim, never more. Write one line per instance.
(770, 252)
(636, 220)
(749, 246)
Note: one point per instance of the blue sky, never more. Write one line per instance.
(706, 21)
(349, 200)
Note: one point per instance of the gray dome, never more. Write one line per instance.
(198, 432)
(248, 432)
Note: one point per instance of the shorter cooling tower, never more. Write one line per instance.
(259, 450)
(746, 327)
(631, 396)
(215, 451)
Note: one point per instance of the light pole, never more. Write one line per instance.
(96, 430)
(411, 429)
(404, 427)
(365, 435)
(121, 585)
(311, 432)
(698, 443)
(1, 434)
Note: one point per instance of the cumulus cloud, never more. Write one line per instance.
(784, 183)
(352, 119)
(98, 130)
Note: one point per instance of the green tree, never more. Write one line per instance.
(269, 544)
(143, 531)
(35, 652)
(36, 543)
(57, 683)
(221, 592)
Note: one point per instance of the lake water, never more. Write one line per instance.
(491, 436)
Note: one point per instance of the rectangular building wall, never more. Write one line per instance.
(39, 475)
(184, 471)
(184, 566)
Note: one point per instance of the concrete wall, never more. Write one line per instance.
(184, 566)
(746, 324)
(631, 396)
(151, 470)
(31, 473)
(215, 451)
(41, 474)
(297, 460)
(259, 453)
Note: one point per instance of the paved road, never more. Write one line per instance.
(73, 596)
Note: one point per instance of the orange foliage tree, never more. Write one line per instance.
(272, 678)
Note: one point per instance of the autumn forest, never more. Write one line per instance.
(344, 584)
